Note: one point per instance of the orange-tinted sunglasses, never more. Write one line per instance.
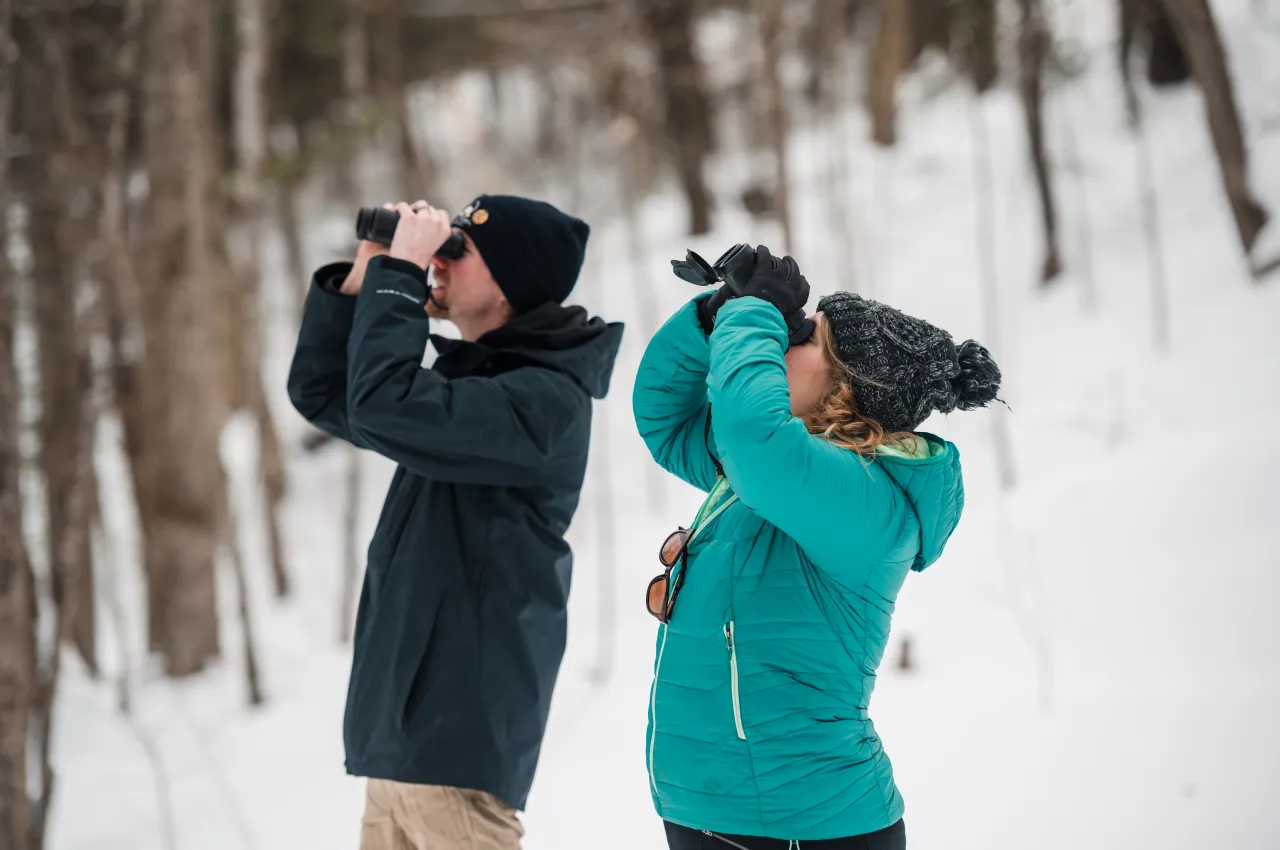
(675, 550)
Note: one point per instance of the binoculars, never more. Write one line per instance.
(378, 224)
(734, 267)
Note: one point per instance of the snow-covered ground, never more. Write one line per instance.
(1096, 659)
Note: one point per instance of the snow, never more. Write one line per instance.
(1096, 657)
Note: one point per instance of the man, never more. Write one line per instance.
(461, 625)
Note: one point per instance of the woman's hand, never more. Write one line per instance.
(779, 282)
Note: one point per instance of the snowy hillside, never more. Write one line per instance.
(1096, 656)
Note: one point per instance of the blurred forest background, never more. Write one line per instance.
(148, 148)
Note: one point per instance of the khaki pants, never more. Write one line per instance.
(398, 816)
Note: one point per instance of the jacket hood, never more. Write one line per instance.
(552, 335)
(934, 489)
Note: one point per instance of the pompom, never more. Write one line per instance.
(979, 380)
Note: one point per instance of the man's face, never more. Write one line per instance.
(464, 291)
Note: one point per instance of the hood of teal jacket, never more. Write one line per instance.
(934, 489)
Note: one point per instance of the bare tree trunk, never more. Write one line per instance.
(769, 19)
(988, 271)
(180, 482)
(119, 286)
(1033, 49)
(606, 525)
(355, 91)
(688, 111)
(1194, 22)
(834, 97)
(606, 557)
(18, 688)
(1161, 322)
(981, 18)
(288, 187)
(54, 116)
(351, 546)
(274, 482)
(1146, 23)
(1128, 36)
(1088, 277)
(251, 149)
(547, 136)
(630, 159)
(889, 58)
(415, 170)
(235, 552)
(417, 167)
(17, 583)
(56, 169)
(355, 81)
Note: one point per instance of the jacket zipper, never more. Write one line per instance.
(725, 840)
(700, 521)
(733, 678)
(653, 709)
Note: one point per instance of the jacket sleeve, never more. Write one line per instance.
(669, 399)
(822, 496)
(318, 376)
(507, 430)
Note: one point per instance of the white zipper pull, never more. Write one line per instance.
(733, 679)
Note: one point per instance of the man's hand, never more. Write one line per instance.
(420, 233)
(366, 252)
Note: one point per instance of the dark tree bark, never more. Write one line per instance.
(1146, 24)
(416, 169)
(249, 110)
(1194, 22)
(179, 481)
(980, 18)
(769, 14)
(1033, 50)
(688, 111)
(889, 58)
(59, 167)
(17, 595)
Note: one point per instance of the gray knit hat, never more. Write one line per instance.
(905, 368)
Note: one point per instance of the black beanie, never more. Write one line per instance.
(905, 368)
(533, 250)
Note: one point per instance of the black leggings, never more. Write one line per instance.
(682, 838)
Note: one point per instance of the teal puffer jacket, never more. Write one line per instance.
(758, 719)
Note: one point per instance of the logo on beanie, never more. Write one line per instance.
(473, 213)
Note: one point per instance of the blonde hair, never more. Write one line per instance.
(837, 418)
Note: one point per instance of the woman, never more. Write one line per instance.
(775, 604)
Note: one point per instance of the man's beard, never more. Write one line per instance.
(435, 309)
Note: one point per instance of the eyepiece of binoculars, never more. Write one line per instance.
(378, 224)
(733, 266)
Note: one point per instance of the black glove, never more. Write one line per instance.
(708, 307)
(779, 282)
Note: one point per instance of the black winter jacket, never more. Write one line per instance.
(461, 625)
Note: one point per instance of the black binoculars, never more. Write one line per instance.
(734, 267)
(378, 224)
